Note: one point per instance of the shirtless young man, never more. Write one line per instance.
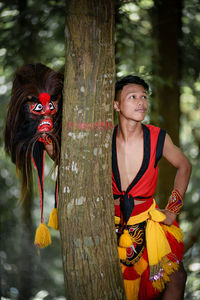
(149, 241)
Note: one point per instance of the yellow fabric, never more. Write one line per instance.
(155, 214)
(132, 288)
(122, 253)
(156, 241)
(125, 239)
(140, 266)
(175, 231)
(117, 220)
(42, 236)
(53, 219)
(157, 249)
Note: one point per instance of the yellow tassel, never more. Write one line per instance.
(53, 219)
(122, 253)
(117, 220)
(42, 236)
(159, 285)
(170, 267)
(132, 288)
(165, 278)
(125, 240)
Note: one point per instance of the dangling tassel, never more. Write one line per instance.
(132, 288)
(53, 219)
(42, 236)
(125, 240)
(122, 253)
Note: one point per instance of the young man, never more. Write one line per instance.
(149, 241)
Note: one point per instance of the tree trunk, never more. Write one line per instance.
(167, 75)
(86, 208)
(27, 254)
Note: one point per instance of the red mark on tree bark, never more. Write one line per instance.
(88, 126)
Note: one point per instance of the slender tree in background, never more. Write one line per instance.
(167, 74)
(26, 257)
(86, 209)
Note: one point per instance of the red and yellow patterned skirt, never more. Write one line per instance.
(149, 252)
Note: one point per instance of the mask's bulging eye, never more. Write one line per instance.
(38, 107)
(51, 105)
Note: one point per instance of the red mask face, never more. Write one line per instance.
(45, 106)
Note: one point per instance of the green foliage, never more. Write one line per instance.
(30, 31)
(33, 30)
(133, 39)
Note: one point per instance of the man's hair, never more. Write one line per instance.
(130, 79)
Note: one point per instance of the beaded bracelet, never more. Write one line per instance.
(175, 202)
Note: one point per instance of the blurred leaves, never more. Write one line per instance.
(33, 30)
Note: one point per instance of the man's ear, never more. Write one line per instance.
(116, 106)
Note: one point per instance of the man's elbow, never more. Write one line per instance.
(187, 167)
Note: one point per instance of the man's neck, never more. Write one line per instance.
(129, 130)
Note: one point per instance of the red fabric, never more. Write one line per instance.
(130, 273)
(139, 208)
(146, 186)
(177, 248)
(147, 291)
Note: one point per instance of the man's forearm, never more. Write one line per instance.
(182, 178)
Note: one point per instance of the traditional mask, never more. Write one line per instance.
(33, 121)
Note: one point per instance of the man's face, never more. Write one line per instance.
(132, 102)
(44, 107)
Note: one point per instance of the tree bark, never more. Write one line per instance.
(167, 75)
(26, 255)
(86, 208)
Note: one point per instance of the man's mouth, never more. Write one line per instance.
(141, 110)
(45, 125)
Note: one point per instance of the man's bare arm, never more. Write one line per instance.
(176, 158)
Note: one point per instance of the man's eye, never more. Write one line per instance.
(38, 107)
(132, 97)
(51, 106)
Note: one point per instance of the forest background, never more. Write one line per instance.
(33, 31)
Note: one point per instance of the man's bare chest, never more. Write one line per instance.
(129, 160)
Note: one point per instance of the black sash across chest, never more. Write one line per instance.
(127, 201)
